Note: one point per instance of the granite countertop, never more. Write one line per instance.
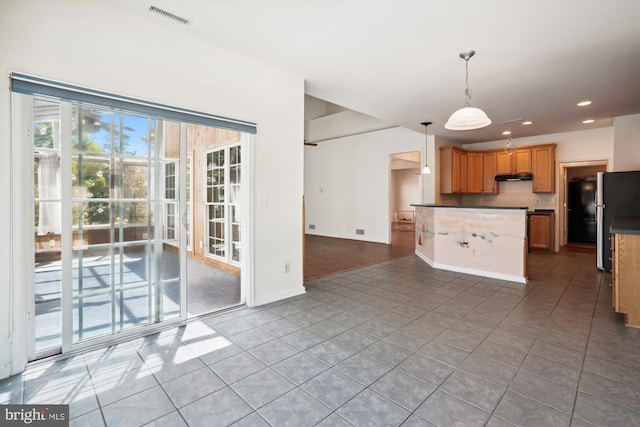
(625, 225)
(469, 207)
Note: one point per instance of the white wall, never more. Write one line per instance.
(90, 43)
(405, 188)
(626, 143)
(346, 182)
(341, 124)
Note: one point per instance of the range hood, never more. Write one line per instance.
(515, 177)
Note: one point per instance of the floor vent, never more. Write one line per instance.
(169, 15)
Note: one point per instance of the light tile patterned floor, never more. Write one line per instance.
(396, 343)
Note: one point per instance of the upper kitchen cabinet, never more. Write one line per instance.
(543, 168)
(475, 170)
(453, 170)
(516, 161)
(481, 169)
(489, 183)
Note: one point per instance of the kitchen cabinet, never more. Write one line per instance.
(475, 171)
(516, 161)
(625, 273)
(543, 168)
(541, 231)
(453, 170)
(489, 183)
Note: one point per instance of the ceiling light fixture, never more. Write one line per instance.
(527, 122)
(586, 122)
(467, 117)
(583, 103)
(426, 170)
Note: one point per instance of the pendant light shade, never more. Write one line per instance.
(467, 117)
(426, 170)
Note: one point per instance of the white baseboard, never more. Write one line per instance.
(483, 273)
(280, 296)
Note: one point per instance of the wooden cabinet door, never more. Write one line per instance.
(539, 232)
(446, 170)
(542, 231)
(459, 171)
(522, 160)
(453, 170)
(489, 183)
(475, 171)
(543, 168)
(503, 162)
(464, 185)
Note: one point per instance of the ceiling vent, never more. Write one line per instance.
(169, 15)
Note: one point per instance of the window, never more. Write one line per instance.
(223, 186)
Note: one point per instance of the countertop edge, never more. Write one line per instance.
(625, 225)
(469, 207)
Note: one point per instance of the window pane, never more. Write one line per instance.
(135, 181)
(91, 213)
(91, 316)
(132, 307)
(90, 177)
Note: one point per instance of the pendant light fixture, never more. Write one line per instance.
(467, 117)
(426, 170)
(509, 147)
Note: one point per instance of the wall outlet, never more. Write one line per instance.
(312, 226)
(360, 231)
(287, 267)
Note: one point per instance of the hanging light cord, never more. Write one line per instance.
(467, 91)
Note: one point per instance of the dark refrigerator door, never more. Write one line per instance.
(582, 211)
(621, 198)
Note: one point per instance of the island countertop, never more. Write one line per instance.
(469, 207)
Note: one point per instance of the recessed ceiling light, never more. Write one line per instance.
(586, 122)
(527, 122)
(583, 103)
(506, 132)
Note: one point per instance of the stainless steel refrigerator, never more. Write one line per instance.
(618, 195)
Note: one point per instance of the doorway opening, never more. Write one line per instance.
(577, 205)
(404, 189)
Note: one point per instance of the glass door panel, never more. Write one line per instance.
(47, 194)
(123, 207)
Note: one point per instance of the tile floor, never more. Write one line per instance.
(396, 343)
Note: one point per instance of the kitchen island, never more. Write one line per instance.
(478, 240)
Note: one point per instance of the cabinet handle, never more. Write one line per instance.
(610, 259)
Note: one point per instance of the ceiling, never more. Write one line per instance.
(398, 60)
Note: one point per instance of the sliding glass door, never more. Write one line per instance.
(108, 211)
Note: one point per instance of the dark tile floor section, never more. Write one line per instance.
(396, 343)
